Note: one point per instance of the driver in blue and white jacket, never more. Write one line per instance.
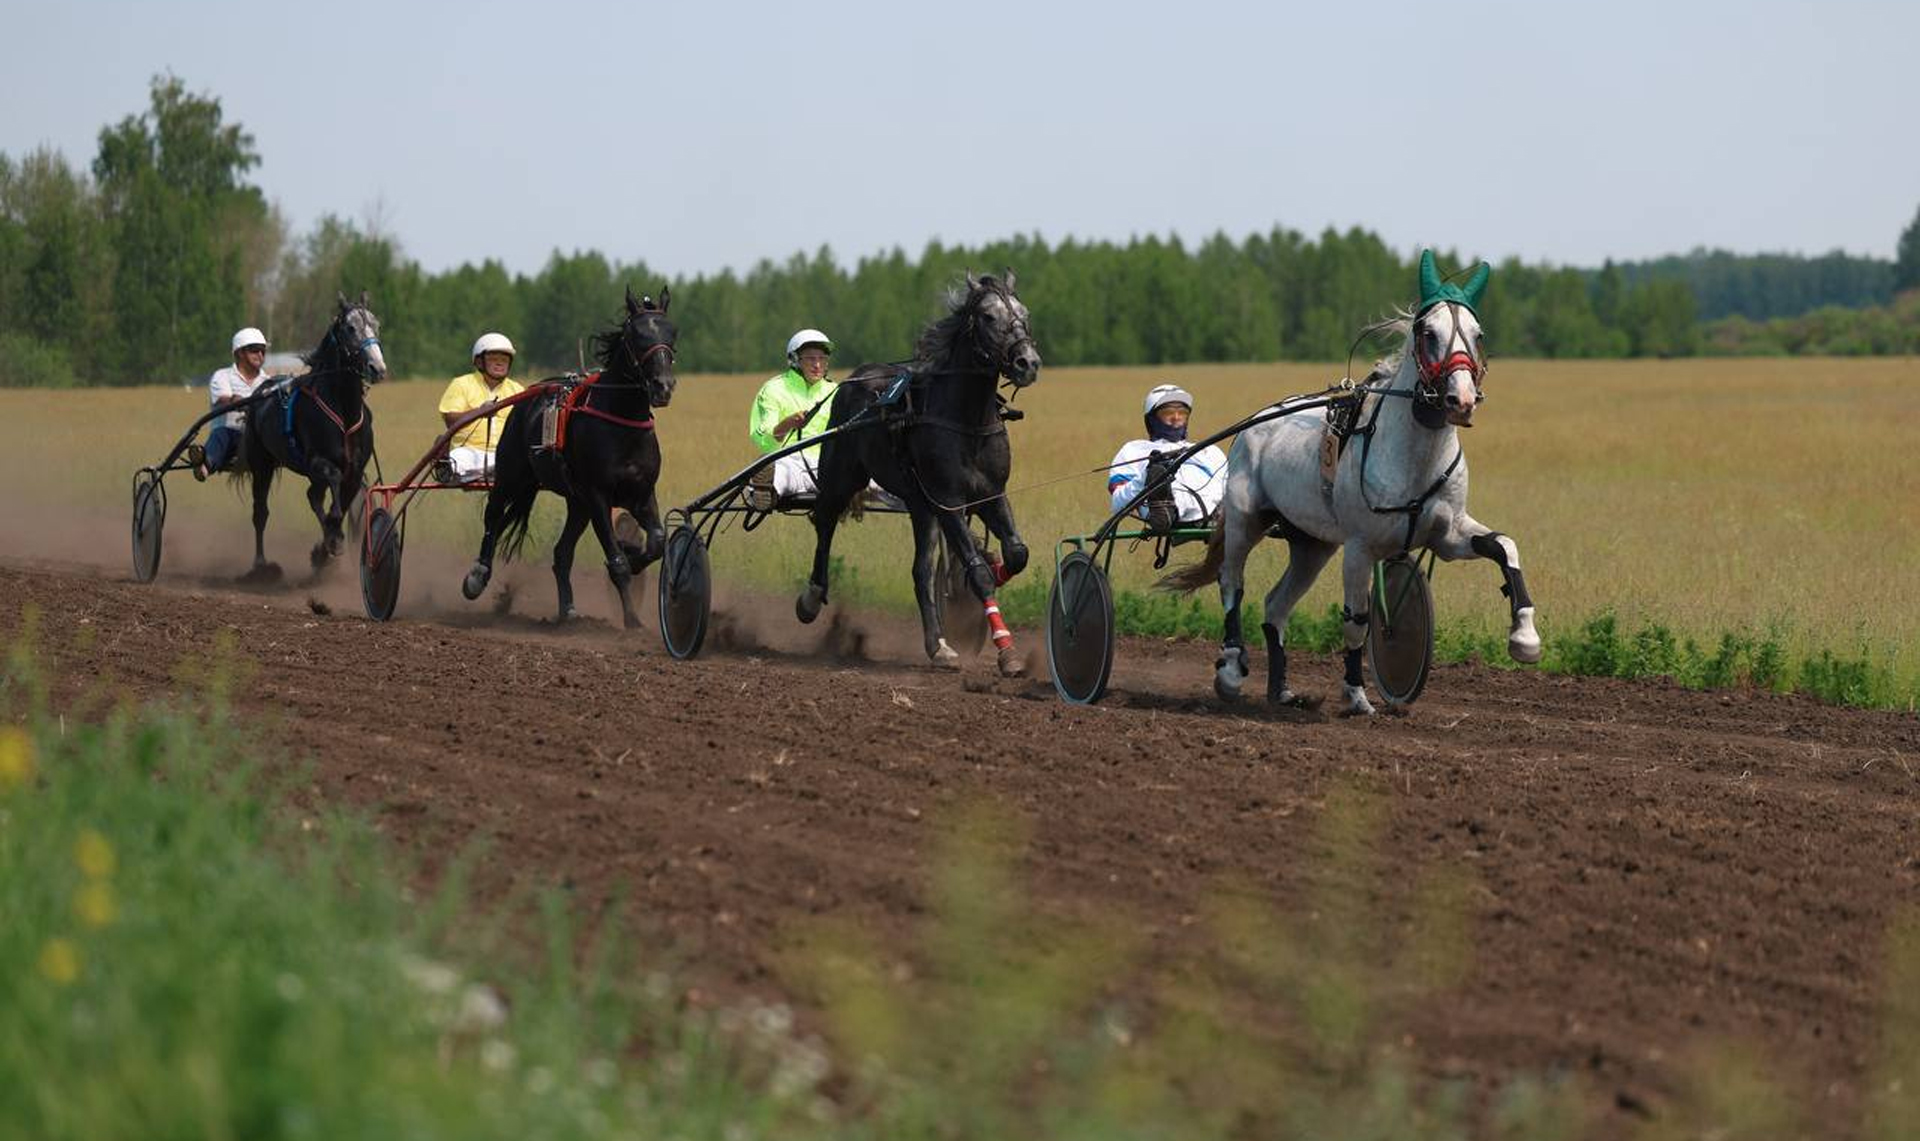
(1198, 486)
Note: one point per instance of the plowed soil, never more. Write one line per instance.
(1651, 869)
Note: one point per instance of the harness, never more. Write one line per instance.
(574, 400)
(289, 399)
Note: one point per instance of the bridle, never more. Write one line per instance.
(1020, 333)
(640, 356)
(1460, 354)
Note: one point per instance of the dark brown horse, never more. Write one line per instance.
(610, 458)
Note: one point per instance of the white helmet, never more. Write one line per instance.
(801, 340)
(1168, 394)
(248, 337)
(492, 343)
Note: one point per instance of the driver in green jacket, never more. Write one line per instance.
(791, 407)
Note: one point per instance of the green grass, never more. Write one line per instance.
(191, 951)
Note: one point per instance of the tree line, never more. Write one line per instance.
(138, 269)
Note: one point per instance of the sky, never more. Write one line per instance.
(701, 136)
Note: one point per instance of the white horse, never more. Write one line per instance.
(1400, 484)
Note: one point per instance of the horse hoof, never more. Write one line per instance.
(1287, 699)
(319, 556)
(807, 607)
(476, 581)
(1011, 663)
(632, 622)
(1357, 703)
(569, 613)
(1523, 644)
(262, 573)
(943, 654)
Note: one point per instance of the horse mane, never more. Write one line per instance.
(1399, 324)
(940, 340)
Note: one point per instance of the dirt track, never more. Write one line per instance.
(1654, 869)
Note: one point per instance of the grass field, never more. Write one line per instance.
(1708, 496)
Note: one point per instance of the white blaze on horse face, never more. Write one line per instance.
(376, 359)
(1458, 388)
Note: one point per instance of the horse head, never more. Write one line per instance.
(646, 341)
(998, 322)
(1447, 347)
(356, 334)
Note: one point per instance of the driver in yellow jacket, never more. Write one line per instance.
(470, 452)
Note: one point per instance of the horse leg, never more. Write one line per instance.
(579, 514)
(997, 514)
(482, 569)
(619, 570)
(262, 483)
(653, 542)
(926, 556)
(1306, 558)
(1472, 539)
(982, 580)
(1356, 580)
(1239, 531)
(324, 478)
(837, 484)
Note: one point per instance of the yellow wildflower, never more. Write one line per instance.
(94, 855)
(93, 904)
(16, 757)
(60, 961)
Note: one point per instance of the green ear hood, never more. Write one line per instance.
(1433, 290)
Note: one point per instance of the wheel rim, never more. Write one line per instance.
(686, 594)
(380, 568)
(1080, 630)
(1400, 642)
(149, 519)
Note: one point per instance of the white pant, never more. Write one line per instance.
(471, 464)
(794, 475)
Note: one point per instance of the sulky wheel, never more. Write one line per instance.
(686, 593)
(1400, 635)
(380, 551)
(1080, 630)
(149, 517)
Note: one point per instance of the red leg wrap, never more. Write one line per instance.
(1002, 637)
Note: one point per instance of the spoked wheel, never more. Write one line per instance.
(961, 616)
(1080, 630)
(686, 594)
(380, 565)
(1400, 636)
(149, 517)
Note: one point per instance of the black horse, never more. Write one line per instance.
(609, 457)
(318, 425)
(932, 433)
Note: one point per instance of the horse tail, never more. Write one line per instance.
(1186, 580)
(519, 512)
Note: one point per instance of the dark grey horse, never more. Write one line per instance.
(319, 427)
(931, 432)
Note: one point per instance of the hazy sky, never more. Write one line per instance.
(707, 134)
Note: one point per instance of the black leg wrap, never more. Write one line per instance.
(1276, 662)
(980, 576)
(1516, 589)
(486, 547)
(1354, 677)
